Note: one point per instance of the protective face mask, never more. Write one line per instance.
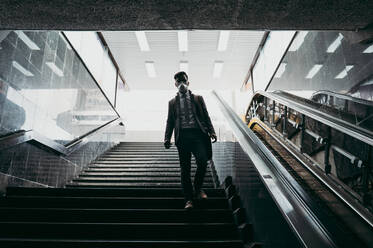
(183, 88)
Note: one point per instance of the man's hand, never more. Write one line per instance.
(167, 144)
(213, 137)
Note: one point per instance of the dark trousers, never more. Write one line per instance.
(192, 141)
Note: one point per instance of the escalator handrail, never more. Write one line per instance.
(289, 196)
(343, 96)
(345, 127)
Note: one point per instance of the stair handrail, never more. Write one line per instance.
(292, 200)
(47, 144)
(345, 127)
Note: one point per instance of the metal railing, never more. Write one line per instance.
(35, 138)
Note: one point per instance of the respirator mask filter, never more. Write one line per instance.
(183, 87)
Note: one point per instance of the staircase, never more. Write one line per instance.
(129, 197)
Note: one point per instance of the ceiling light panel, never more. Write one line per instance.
(54, 68)
(218, 68)
(343, 73)
(369, 49)
(223, 40)
(183, 40)
(142, 41)
(184, 66)
(150, 69)
(335, 44)
(32, 45)
(298, 41)
(22, 69)
(314, 70)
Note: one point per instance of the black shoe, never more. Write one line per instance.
(188, 205)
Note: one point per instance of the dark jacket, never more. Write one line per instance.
(200, 113)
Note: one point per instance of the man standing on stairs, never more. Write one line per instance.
(191, 123)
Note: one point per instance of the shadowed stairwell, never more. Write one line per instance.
(129, 197)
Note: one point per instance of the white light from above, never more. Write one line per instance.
(223, 40)
(184, 66)
(313, 71)
(218, 68)
(23, 70)
(32, 45)
(281, 70)
(142, 40)
(343, 73)
(335, 44)
(298, 41)
(183, 40)
(150, 69)
(369, 49)
(55, 69)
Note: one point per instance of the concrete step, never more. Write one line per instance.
(130, 185)
(94, 243)
(119, 231)
(105, 169)
(135, 152)
(118, 178)
(132, 162)
(140, 165)
(140, 156)
(115, 215)
(108, 202)
(104, 192)
(136, 174)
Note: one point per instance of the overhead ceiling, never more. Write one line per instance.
(186, 14)
(201, 56)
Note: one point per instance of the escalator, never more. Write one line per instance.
(327, 154)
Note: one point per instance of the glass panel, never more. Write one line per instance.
(270, 56)
(45, 87)
(320, 64)
(96, 58)
(108, 78)
(327, 61)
